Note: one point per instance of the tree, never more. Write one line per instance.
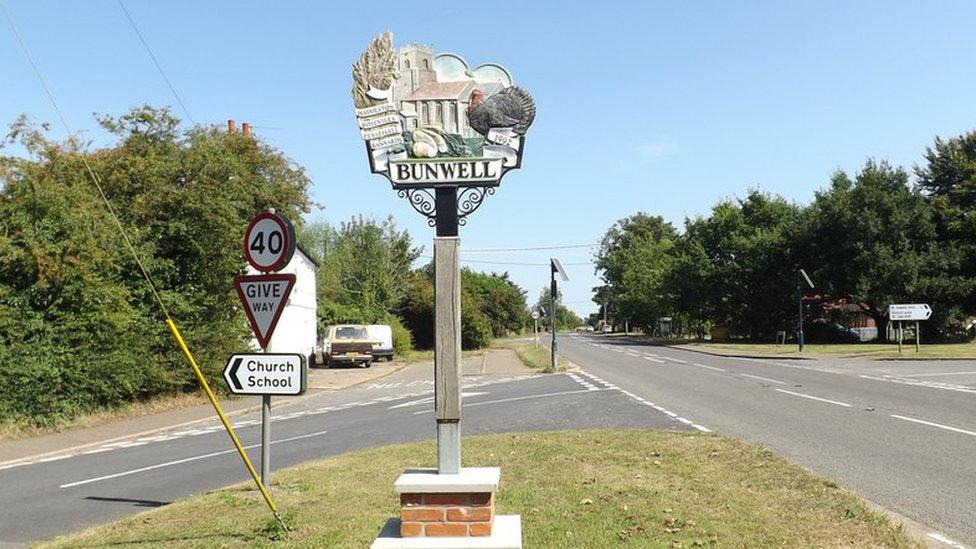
(736, 268)
(948, 180)
(364, 267)
(872, 240)
(633, 257)
(566, 319)
(86, 323)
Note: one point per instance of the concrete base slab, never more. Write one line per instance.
(505, 534)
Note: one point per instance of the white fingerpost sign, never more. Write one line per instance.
(909, 311)
(266, 374)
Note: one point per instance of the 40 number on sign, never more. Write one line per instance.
(269, 241)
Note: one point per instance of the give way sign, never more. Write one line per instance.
(909, 311)
(264, 298)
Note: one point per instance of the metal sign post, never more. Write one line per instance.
(554, 267)
(269, 245)
(535, 327)
(799, 304)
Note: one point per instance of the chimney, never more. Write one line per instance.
(231, 126)
(246, 128)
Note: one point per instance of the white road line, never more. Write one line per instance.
(54, 458)
(654, 360)
(708, 367)
(933, 424)
(763, 378)
(811, 397)
(185, 460)
(679, 361)
(513, 399)
(917, 383)
(631, 353)
(939, 374)
(942, 539)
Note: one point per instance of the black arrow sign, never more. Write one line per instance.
(233, 374)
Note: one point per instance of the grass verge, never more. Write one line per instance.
(593, 489)
(867, 350)
(533, 356)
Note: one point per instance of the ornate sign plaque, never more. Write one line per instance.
(430, 121)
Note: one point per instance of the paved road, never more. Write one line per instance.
(901, 434)
(66, 492)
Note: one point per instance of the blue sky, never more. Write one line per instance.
(665, 107)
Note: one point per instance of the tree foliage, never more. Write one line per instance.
(868, 240)
(79, 327)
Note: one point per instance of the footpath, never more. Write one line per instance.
(320, 380)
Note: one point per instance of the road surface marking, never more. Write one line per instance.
(939, 374)
(933, 424)
(763, 378)
(918, 383)
(185, 460)
(514, 399)
(679, 361)
(631, 353)
(811, 397)
(54, 458)
(942, 539)
(582, 382)
(664, 411)
(708, 367)
(654, 360)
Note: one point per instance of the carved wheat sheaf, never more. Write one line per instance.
(376, 70)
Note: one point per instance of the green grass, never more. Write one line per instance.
(869, 350)
(533, 356)
(585, 489)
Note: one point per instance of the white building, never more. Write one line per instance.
(297, 330)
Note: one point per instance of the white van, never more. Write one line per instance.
(382, 337)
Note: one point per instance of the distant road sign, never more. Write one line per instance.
(269, 241)
(535, 315)
(264, 298)
(266, 374)
(909, 311)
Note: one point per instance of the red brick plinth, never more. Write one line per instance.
(447, 514)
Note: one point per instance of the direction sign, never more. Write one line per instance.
(264, 298)
(269, 241)
(909, 311)
(266, 374)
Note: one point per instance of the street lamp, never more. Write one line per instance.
(799, 303)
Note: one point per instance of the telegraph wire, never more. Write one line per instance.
(531, 249)
(156, 62)
(169, 321)
(513, 263)
(84, 160)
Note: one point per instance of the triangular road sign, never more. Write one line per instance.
(264, 298)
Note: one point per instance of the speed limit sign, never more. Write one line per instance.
(269, 241)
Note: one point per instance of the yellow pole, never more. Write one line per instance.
(223, 419)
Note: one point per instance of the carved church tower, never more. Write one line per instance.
(416, 66)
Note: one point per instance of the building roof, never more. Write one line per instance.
(440, 90)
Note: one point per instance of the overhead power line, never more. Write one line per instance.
(156, 62)
(530, 249)
(513, 263)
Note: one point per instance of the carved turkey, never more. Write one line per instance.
(512, 107)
